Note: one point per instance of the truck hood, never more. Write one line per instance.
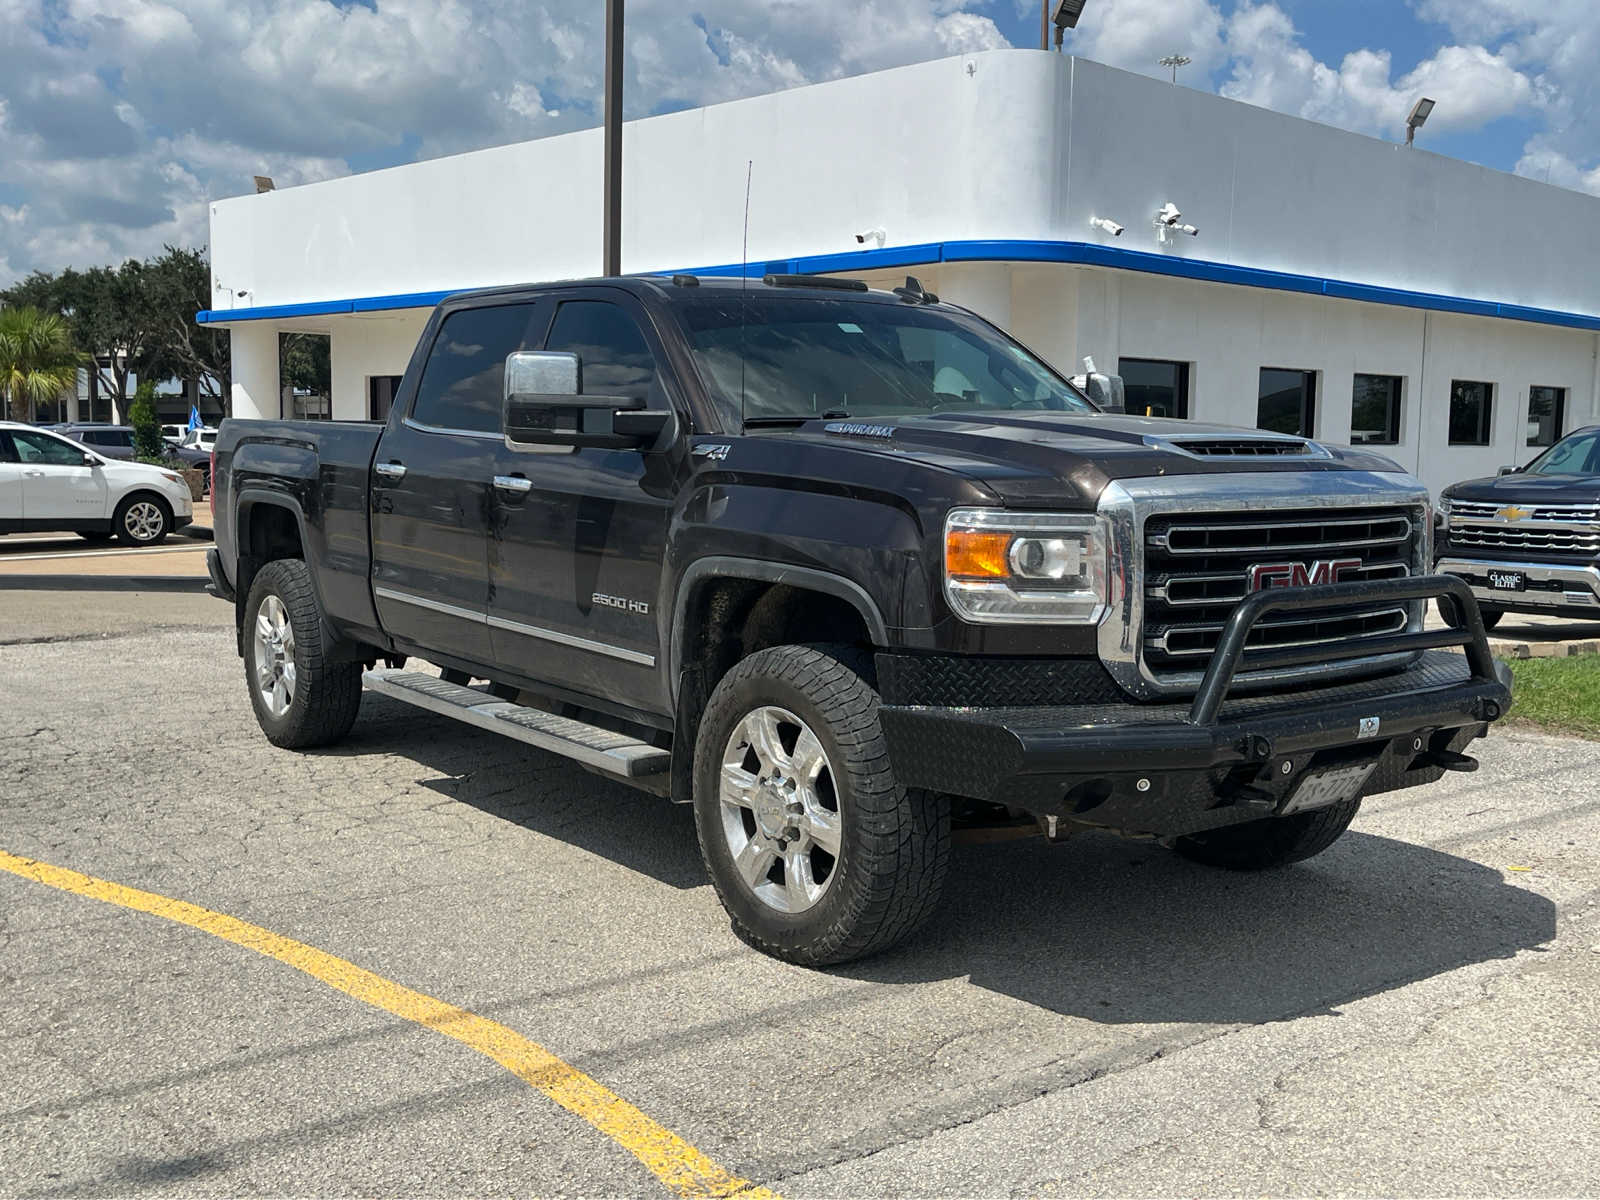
(1528, 489)
(1036, 458)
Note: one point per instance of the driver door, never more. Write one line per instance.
(57, 485)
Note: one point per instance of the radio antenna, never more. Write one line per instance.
(744, 283)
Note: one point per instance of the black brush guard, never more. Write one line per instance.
(1169, 769)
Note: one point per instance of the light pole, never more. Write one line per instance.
(1063, 14)
(1175, 61)
(1417, 118)
(612, 240)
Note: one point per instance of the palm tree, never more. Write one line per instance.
(37, 359)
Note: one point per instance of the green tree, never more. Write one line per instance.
(146, 422)
(37, 359)
(177, 286)
(139, 320)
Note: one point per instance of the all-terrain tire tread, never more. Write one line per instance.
(327, 694)
(904, 852)
(1274, 842)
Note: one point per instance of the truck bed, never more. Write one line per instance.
(321, 470)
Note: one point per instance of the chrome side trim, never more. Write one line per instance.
(438, 606)
(547, 635)
(1128, 503)
(469, 433)
(577, 643)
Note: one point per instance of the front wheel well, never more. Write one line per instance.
(727, 620)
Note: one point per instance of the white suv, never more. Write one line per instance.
(50, 483)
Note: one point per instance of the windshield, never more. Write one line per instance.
(806, 356)
(1576, 455)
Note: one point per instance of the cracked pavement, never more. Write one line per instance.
(1405, 1014)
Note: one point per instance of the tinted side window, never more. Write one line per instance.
(616, 358)
(462, 385)
(42, 448)
(120, 437)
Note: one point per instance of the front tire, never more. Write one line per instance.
(1453, 618)
(301, 700)
(1274, 842)
(142, 520)
(816, 853)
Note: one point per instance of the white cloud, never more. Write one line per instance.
(1272, 69)
(1137, 34)
(120, 119)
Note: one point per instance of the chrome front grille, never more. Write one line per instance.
(1560, 529)
(1197, 568)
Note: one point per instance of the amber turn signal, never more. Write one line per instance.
(976, 554)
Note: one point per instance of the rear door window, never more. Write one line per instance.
(463, 384)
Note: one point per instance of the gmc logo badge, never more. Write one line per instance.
(1278, 575)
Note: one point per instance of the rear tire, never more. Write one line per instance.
(142, 519)
(1274, 842)
(301, 700)
(816, 853)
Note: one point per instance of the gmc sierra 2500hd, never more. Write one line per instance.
(828, 563)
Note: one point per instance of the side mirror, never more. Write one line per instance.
(90, 460)
(1106, 391)
(545, 406)
(1507, 471)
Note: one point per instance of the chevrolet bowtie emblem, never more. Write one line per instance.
(1513, 513)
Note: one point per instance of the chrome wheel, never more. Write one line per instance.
(780, 810)
(144, 521)
(274, 656)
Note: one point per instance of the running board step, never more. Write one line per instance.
(614, 753)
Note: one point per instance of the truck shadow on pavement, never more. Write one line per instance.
(1100, 927)
(1127, 932)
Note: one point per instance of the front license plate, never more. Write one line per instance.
(1508, 581)
(1335, 785)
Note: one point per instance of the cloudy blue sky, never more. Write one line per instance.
(119, 119)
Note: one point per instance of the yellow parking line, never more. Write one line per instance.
(682, 1168)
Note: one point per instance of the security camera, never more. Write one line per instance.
(872, 235)
(1106, 225)
(1169, 222)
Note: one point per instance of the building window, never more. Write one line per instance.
(1288, 401)
(1375, 411)
(1156, 388)
(1471, 412)
(381, 391)
(1547, 413)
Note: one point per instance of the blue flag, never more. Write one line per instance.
(194, 418)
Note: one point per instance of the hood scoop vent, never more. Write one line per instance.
(1240, 446)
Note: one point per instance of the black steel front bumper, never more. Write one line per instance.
(1168, 770)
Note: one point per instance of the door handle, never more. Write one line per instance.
(34, 474)
(515, 484)
(389, 472)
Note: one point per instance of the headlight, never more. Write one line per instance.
(1441, 515)
(177, 479)
(1006, 568)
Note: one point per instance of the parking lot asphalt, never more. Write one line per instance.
(1416, 1011)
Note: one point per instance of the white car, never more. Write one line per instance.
(50, 483)
(204, 438)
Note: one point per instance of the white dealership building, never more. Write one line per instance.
(1338, 285)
